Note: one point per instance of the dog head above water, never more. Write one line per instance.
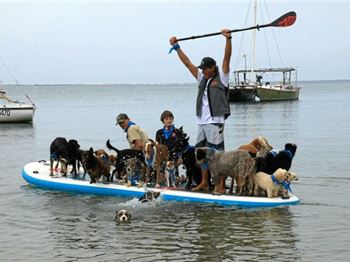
(149, 196)
(122, 216)
(204, 154)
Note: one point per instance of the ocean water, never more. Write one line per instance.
(43, 225)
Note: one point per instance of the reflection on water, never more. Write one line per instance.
(167, 230)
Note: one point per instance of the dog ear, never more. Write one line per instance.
(91, 151)
(152, 142)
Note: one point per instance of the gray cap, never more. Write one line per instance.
(122, 117)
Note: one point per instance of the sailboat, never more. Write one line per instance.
(14, 111)
(262, 83)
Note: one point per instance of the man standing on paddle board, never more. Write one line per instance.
(212, 107)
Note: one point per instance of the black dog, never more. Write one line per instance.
(188, 156)
(73, 155)
(64, 152)
(59, 153)
(283, 159)
(122, 156)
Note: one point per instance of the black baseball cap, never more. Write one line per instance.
(206, 63)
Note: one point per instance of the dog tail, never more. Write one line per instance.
(109, 146)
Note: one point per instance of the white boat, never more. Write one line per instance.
(38, 174)
(12, 111)
(253, 84)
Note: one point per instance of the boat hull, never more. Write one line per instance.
(270, 94)
(16, 114)
(37, 173)
(241, 94)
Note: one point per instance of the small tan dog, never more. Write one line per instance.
(170, 173)
(272, 184)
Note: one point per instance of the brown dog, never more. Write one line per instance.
(256, 145)
(95, 166)
(156, 156)
(108, 159)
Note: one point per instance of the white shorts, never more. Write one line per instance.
(211, 135)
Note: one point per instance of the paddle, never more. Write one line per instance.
(285, 20)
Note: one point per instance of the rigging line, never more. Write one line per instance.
(274, 36)
(242, 36)
(2, 66)
(265, 37)
(8, 70)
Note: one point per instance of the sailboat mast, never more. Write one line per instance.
(252, 64)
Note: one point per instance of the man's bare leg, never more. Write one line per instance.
(204, 183)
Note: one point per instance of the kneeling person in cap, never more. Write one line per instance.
(136, 136)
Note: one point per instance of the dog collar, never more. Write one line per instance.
(288, 153)
(188, 147)
(274, 153)
(275, 181)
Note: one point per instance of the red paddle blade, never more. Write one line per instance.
(285, 20)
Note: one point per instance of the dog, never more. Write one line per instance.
(135, 172)
(59, 153)
(271, 161)
(122, 216)
(272, 184)
(238, 164)
(188, 157)
(109, 160)
(170, 173)
(149, 196)
(256, 145)
(122, 156)
(95, 166)
(283, 192)
(156, 156)
(73, 155)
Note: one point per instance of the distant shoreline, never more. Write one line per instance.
(151, 84)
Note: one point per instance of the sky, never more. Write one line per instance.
(97, 42)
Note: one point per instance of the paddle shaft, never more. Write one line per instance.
(285, 20)
(219, 33)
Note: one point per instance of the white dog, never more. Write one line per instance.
(122, 216)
